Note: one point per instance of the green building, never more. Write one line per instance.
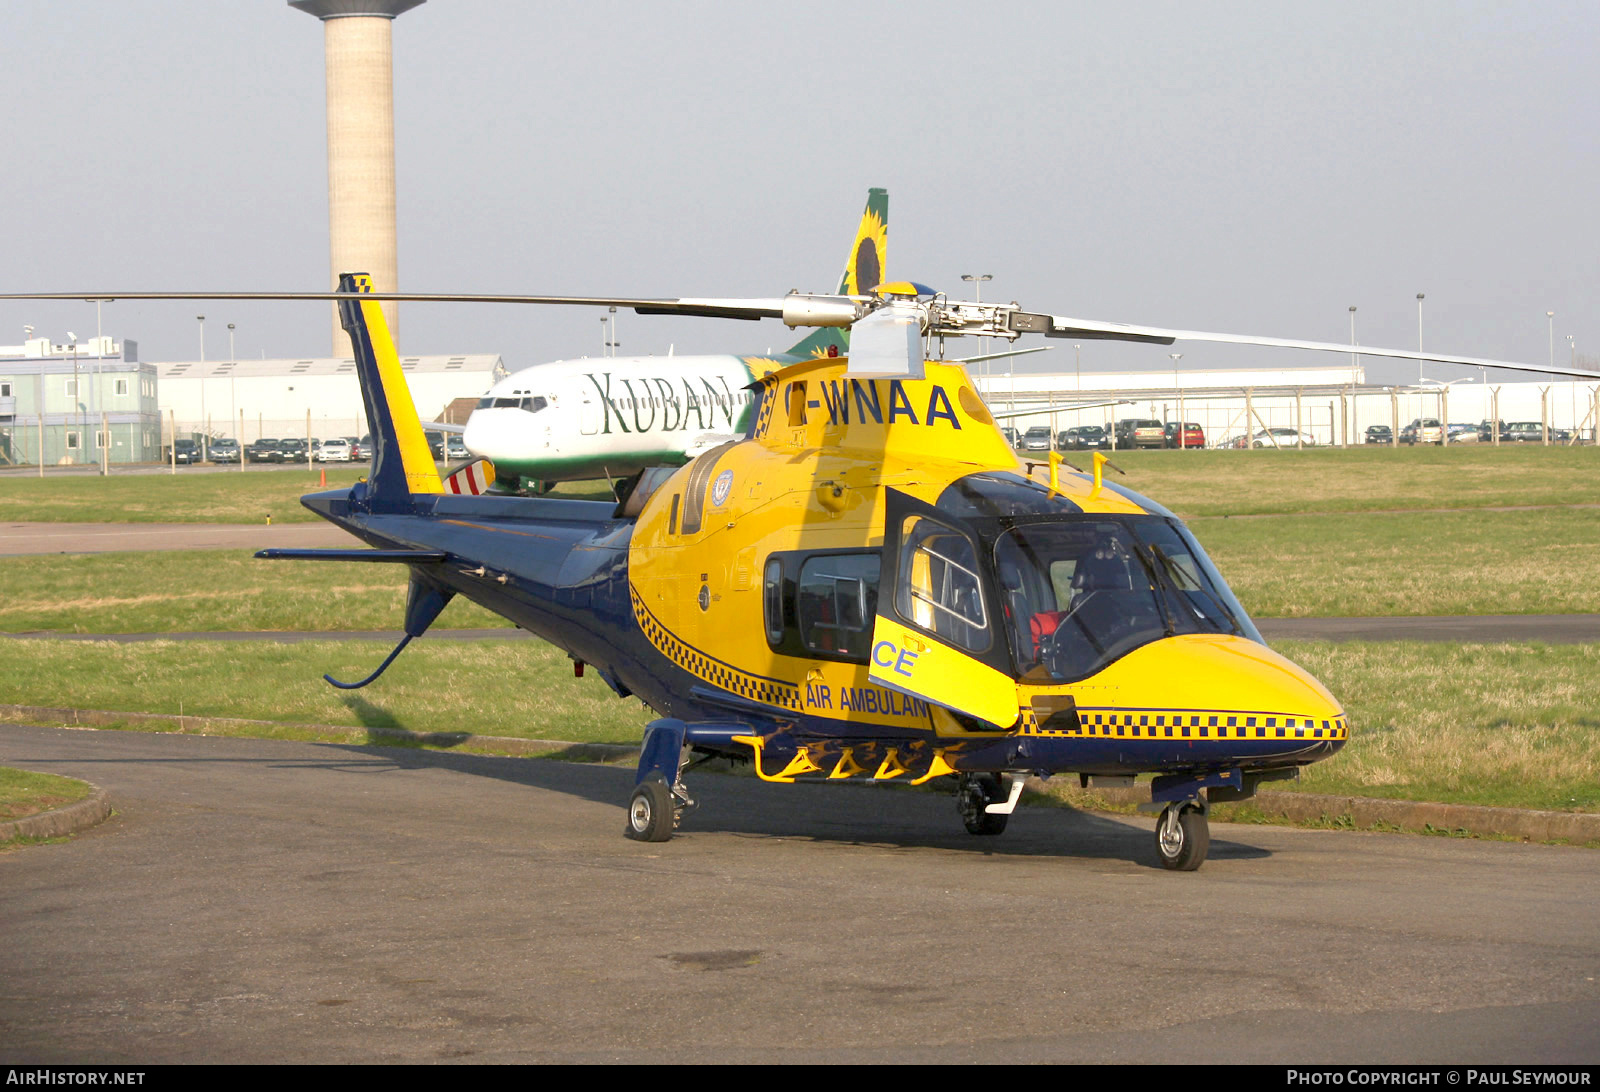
(75, 403)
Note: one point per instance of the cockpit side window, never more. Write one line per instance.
(938, 587)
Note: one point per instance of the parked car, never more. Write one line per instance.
(1131, 432)
(1036, 438)
(224, 450)
(336, 450)
(1083, 438)
(362, 448)
(1193, 435)
(1379, 434)
(1486, 430)
(1532, 432)
(1013, 437)
(186, 452)
(1423, 430)
(294, 451)
(456, 449)
(1274, 437)
(1463, 434)
(264, 451)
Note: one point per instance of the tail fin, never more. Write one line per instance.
(863, 271)
(402, 462)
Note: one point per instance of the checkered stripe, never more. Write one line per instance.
(1187, 724)
(769, 399)
(712, 670)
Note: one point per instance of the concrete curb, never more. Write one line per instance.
(1366, 812)
(1359, 812)
(92, 810)
(200, 726)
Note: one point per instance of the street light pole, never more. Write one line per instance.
(202, 319)
(233, 395)
(1182, 438)
(1550, 316)
(1419, 335)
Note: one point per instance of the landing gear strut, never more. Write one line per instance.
(974, 794)
(1182, 837)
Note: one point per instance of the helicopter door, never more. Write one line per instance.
(936, 635)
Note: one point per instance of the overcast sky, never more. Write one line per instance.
(1250, 168)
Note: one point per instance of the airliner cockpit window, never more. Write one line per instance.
(1076, 595)
(532, 404)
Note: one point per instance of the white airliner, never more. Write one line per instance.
(612, 416)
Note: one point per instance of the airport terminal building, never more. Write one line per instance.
(1331, 405)
(250, 399)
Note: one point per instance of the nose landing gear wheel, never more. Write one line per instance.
(1182, 838)
(652, 815)
(973, 795)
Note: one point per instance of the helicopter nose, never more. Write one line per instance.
(1227, 682)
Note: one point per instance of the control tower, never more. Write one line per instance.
(361, 223)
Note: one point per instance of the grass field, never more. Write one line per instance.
(24, 793)
(1541, 562)
(1364, 479)
(1191, 483)
(189, 496)
(1510, 726)
(208, 590)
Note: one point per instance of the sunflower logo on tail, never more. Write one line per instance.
(869, 253)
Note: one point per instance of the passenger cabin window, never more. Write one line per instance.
(822, 604)
(939, 586)
(772, 601)
(836, 600)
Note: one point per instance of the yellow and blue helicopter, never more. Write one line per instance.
(868, 584)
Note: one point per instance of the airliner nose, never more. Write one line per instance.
(486, 434)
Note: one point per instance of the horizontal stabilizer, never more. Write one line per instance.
(411, 557)
(474, 478)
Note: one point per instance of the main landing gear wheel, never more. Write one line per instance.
(652, 813)
(974, 793)
(1182, 838)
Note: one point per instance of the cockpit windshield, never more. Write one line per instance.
(531, 403)
(1080, 592)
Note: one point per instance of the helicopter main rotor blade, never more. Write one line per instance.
(795, 309)
(1119, 331)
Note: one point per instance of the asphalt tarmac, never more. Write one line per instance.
(260, 901)
(17, 539)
